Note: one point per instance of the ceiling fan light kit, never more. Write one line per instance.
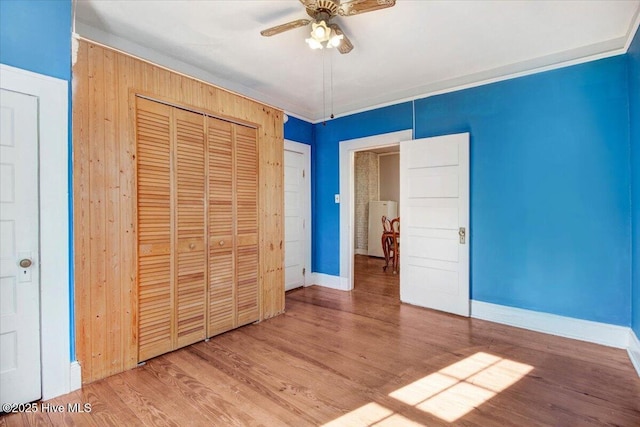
(320, 34)
(324, 33)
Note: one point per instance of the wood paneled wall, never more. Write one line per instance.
(105, 83)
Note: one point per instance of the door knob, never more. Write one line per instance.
(462, 232)
(25, 263)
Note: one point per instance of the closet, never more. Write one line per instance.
(197, 201)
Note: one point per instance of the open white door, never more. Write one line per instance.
(19, 233)
(434, 198)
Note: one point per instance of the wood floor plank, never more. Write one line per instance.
(362, 358)
(59, 413)
(244, 397)
(106, 406)
(149, 402)
(211, 407)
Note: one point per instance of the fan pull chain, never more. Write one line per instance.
(331, 83)
(324, 86)
(324, 89)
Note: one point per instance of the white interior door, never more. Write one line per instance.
(296, 212)
(19, 230)
(434, 195)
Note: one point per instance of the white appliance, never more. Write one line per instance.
(377, 209)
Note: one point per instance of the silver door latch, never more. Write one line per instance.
(462, 232)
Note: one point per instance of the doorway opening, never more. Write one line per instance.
(348, 150)
(434, 187)
(376, 205)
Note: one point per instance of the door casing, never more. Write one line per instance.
(347, 150)
(60, 374)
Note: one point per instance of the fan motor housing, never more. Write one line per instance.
(328, 6)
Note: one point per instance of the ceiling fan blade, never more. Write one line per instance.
(310, 4)
(355, 7)
(345, 45)
(284, 27)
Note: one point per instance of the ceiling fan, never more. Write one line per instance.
(324, 33)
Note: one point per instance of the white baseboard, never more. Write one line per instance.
(584, 330)
(329, 281)
(634, 350)
(75, 376)
(361, 251)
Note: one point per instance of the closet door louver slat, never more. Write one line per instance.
(191, 282)
(222, 310)
(155, 295)
(246, 176)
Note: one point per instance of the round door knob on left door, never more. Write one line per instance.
(25, 263)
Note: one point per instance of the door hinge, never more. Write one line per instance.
(303, 173)
(304, 224)
(304, 271)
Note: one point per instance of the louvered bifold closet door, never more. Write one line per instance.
(191, 272)
(197, 227)
(246, 193)
(222, 313)
(155, 267)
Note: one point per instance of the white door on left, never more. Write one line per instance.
(294, 219)
(20, 379)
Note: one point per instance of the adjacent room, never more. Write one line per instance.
(320, 212)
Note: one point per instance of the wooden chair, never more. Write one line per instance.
(386, 236)
(390, 242)
(395, 241)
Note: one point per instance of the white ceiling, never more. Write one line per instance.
(415, 48)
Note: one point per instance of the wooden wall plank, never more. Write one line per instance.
(97, 213)
(113, 318)
(128, 213)
(105, 201)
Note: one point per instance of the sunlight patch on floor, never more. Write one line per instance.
(371, 414)
(366, 415)
(448, 394)
(457, 389)
(397, 420)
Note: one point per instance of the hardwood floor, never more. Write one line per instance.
(362, 358)
(370, 278)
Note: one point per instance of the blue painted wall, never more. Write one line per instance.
(298, 130)
(36, 36)
(549, 186)
(634, 118)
